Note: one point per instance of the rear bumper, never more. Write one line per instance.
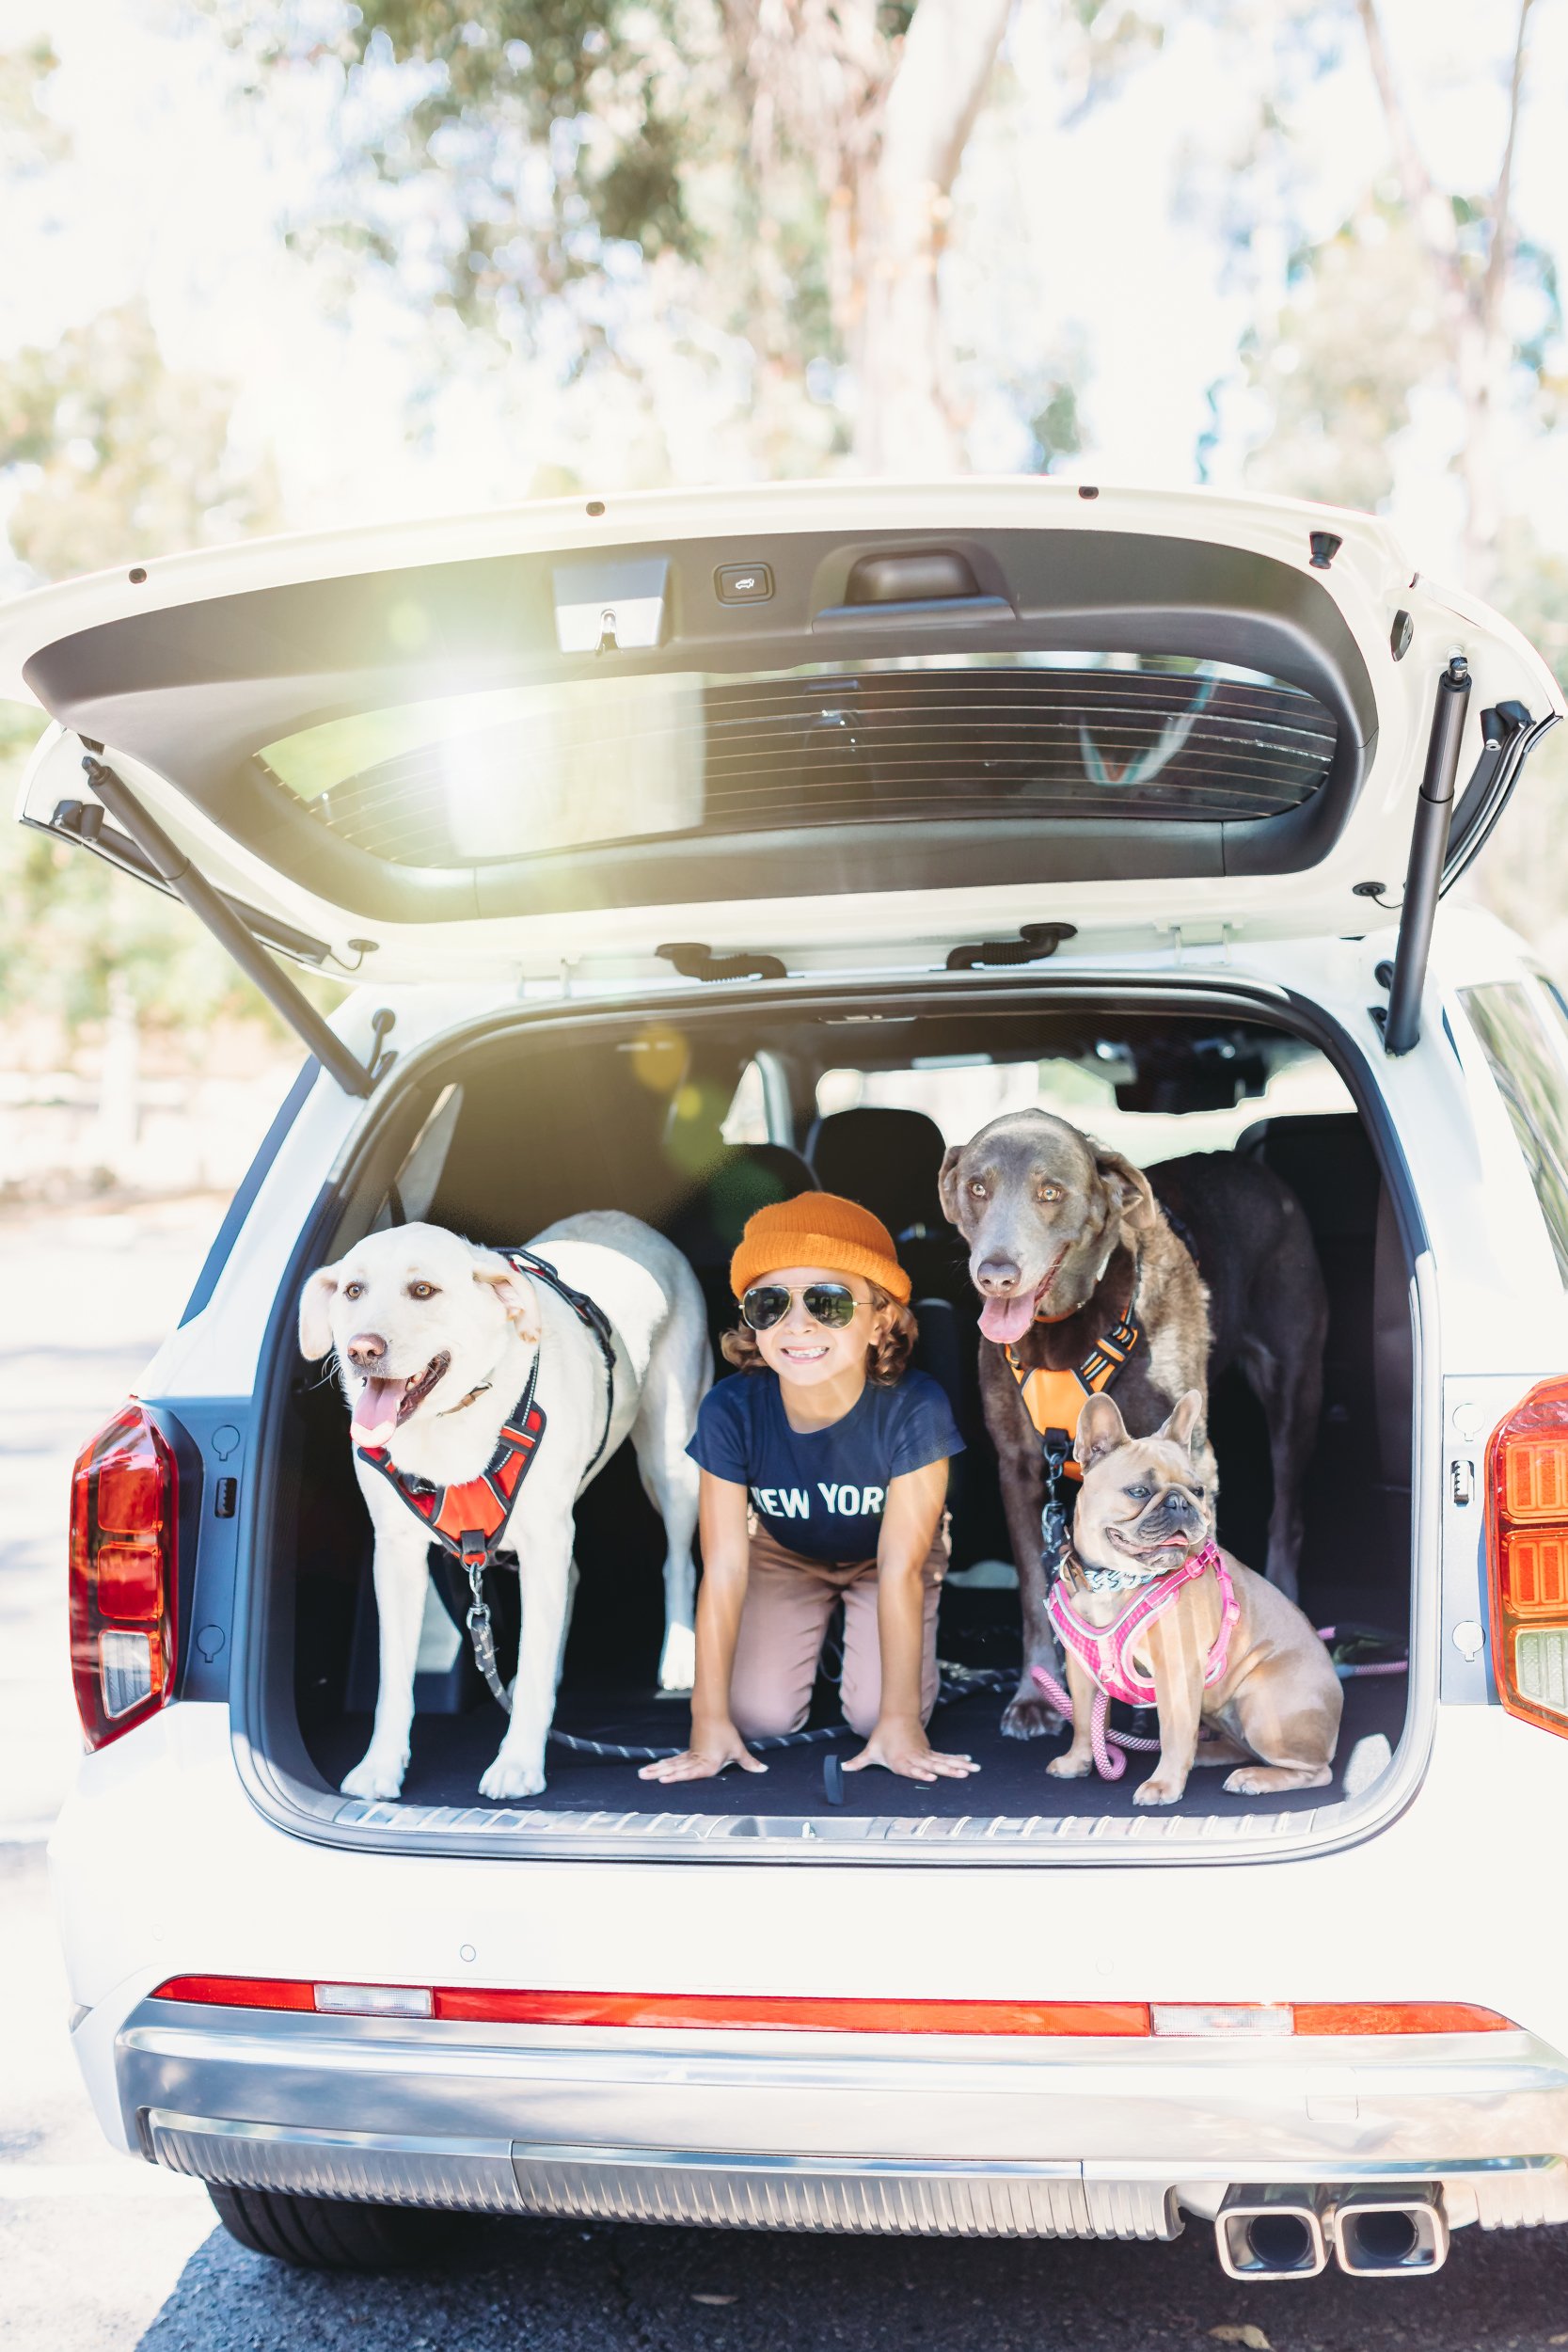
(865, 2135)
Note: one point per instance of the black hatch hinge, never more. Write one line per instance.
(694, 961)
(168, 864)
(1429, 847)
(1035, 941)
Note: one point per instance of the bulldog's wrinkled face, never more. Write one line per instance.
(418, 1318)
(1145, 1500)
(1042, 1208)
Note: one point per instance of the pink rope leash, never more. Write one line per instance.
(1110, 1746)
(1110, 1760)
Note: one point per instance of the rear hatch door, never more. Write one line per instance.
(812, 725)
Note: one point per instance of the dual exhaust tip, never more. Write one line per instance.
(1269, 2234)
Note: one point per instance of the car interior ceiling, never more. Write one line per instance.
(532, 1130)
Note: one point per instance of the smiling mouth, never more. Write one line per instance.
(1174, 1542)
(385, 1403)
(1006, 1320)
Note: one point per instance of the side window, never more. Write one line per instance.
(1528, 1052)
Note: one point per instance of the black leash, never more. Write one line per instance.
(588, 1311)
(957, 1682)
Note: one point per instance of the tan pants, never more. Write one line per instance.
(782, 1625)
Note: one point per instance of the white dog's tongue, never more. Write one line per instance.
(1007, 1319)
(378, 1405)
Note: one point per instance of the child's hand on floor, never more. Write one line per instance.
(713, 1746)
(900, 1744)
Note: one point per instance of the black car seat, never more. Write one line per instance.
(708, 1225)
(889, 1160)
(1364, 1441)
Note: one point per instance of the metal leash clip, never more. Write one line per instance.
(1055, 1445)
(480, 1634)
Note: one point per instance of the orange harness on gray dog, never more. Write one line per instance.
(1055, 1400)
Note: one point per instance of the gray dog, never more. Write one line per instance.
(1068, 1243)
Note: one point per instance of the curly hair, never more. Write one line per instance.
(885, 1363)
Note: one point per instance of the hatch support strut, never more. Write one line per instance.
(173, 867)
(1429, 847)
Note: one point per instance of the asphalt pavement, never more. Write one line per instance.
(100, 2253)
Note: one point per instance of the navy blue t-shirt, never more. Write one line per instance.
(820, 1492)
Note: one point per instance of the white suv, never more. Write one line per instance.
(687, 850)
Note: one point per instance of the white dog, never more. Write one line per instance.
(444, 1348)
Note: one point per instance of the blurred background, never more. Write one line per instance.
(284, 263)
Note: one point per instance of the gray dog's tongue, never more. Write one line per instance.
(1007, 1319)
(378, 1404)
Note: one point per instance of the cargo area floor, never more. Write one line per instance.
(449, 1752)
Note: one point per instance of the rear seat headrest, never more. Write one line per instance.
(1328, 1160)
(747, 1177)
(889, 1160)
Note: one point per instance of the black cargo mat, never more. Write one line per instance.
(449, 1752)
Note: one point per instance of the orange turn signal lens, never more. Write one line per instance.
(1526, 1552)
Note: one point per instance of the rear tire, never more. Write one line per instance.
(328, 2233)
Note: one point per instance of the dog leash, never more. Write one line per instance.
(957, 1682)
(1109, 1759)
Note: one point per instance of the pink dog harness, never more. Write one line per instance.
(1106, 1652)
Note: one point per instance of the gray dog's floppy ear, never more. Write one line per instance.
(316, 1314)
(1183, 1425)
(1129, 1189)
(515, 1291)
(947, 1180)
(1100, 1430)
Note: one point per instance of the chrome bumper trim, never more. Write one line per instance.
(779, 2192)
(644, 2184)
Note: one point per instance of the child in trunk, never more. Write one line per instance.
(824, 1478)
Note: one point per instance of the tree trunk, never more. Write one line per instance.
(904, 421)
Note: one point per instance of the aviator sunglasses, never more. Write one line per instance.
(830, 1303)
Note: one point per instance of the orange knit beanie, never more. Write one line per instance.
(817, 1229)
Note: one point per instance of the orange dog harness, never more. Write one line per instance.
(1055, 1400)
(470, 1520)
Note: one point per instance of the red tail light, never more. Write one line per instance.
(1526, 1543)
(124, 1514)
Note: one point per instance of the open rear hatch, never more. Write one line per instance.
(797, 726)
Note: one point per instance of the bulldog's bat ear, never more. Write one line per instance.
(1184, 1423)
(1127, 1189)
(515, 1291)
(1101, 1431)
(316, 1314)
(947, 1180)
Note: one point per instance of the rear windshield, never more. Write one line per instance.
(524, 769)
(1525, 1038)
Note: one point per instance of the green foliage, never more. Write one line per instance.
(115, 454)
(70, 924)
(1360, 331)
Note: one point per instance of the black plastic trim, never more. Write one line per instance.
(1478, 813)
(117, 850)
